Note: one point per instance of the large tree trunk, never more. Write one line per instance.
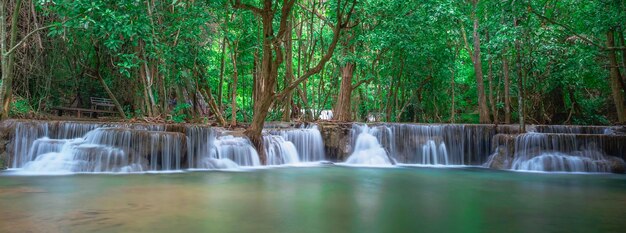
(507, 94)
(478, 69)
(270, 63)
(492, 94)
(8, 63)
(618, 95)
(288, 71)
(342, 107)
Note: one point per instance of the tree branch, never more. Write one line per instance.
(238, 5)
(316, 13)
(570, 30)
(320, 65)
(29, 35)
(356, 85)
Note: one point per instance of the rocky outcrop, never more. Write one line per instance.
(6, 129)
(504, 149)
(337, 140)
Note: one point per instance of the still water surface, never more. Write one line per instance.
(317, 199)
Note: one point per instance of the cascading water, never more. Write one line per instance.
(25, 136)
(120, 147)
(307, 141)
(431, 144)
(367, 149)
(40, 146)
(109, 150)
(279, 151)
(208, 151)
(567, 129)
(562, 153)
(238, 150)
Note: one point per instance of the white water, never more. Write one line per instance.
(560, 162)
(67, 147)
(237, 149)
(307, 141)
(108, 150)
(560, 153)
(279, 151)
(426, 144)
(368, 151)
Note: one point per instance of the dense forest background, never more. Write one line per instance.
(461, 61)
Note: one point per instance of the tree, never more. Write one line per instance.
(273, 57)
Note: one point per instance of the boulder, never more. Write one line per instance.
(337, 140)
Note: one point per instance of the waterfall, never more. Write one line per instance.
(307, 140)
(201, 146)
(431, 144)
(502, 156)
(77, 156)
(568, 129)
(25, 136)
(562, 153)
(367, 150)
(59, 147)
(279, 151)
(236, 149)
(207, 150)
(109, 150)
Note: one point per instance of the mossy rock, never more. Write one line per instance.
(2, 159)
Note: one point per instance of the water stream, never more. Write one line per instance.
(82, 147)
(79, 147)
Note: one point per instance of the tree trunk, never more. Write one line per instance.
(618, 95)
(118, 107)
(8, 63)
(478, 69)
(144, 85)
(3, 59)
(452, 106)
(270, 63)
(342, 107)
(222, 70)
(214, 108)
(288, 71)
(233, 106)
(507, 94)
(620, 35)
(492, 101)
(520, 87)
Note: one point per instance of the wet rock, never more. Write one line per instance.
(337, 140)
(6, 127)
(616, 165)
(501, 159)
(3, 156)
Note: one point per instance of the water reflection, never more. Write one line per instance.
(319, 199)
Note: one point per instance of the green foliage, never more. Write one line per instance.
(20, 108)
(405, 52)
(178, 113)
